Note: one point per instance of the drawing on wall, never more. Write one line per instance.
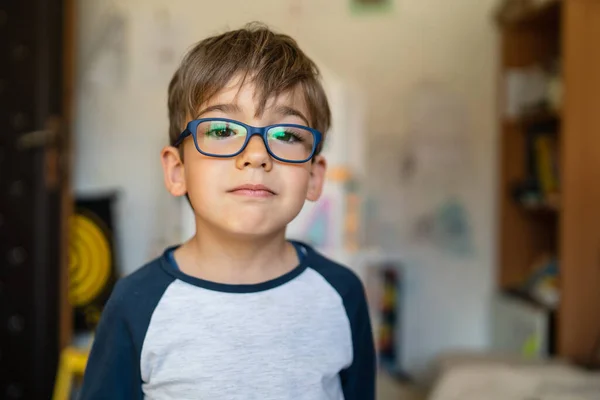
(360, 6)
(317, 231)
(161, 37)
(447, 228)
(436, 149)
(104, 61)
(296, 8)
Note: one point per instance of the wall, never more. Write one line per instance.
(121, 123)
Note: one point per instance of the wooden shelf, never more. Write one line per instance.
(545, 14)
(534, 118)
(544, 207)
(566, 226)
(539, 117)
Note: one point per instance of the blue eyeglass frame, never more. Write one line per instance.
(192, 127)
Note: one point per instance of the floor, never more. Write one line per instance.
(390, 389)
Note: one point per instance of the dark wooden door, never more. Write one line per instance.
(33, 188)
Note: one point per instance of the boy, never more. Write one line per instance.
(238, 312)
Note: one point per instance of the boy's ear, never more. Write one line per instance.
(173, 171)
(317, 178)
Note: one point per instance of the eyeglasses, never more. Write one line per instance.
(220, 137)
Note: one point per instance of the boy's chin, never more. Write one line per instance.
(232, 236)
(247, 223)
(249, 230)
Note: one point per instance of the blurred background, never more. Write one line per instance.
(456, 128)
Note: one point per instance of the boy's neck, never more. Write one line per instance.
(219, 257)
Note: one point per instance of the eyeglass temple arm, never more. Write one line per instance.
(182, 136)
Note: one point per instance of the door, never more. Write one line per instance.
(35, 75)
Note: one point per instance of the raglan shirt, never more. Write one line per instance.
(166, 335)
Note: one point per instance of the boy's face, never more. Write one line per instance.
(215, 186)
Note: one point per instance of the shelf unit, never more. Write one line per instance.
(569, 225)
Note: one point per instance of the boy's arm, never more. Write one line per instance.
(358, 380)
(113, 368)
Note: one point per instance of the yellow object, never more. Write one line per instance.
(544, 149)
(72, 363)
(90, 260)
(531, 346)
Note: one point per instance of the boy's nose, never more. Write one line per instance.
(255, 155)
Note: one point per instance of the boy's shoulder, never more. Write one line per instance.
(141, 289)
(345, 281)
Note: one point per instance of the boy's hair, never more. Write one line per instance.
(273, 61)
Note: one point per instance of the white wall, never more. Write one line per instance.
(121, 123)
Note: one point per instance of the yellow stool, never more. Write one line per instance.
(72, 363)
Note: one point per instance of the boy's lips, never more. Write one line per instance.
(253, 191)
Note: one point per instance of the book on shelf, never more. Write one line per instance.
(541, 186)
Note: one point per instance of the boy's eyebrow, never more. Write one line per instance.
(224, 108)
(234, 108)
(290, 111)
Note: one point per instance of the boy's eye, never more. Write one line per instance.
(286, 136)
(221, 132)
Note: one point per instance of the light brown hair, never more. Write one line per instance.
(272, 60)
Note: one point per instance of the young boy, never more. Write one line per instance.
(238, 312)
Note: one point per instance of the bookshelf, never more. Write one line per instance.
(549, 183)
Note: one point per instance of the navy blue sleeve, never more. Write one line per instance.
(113, 368)
(358, 380)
